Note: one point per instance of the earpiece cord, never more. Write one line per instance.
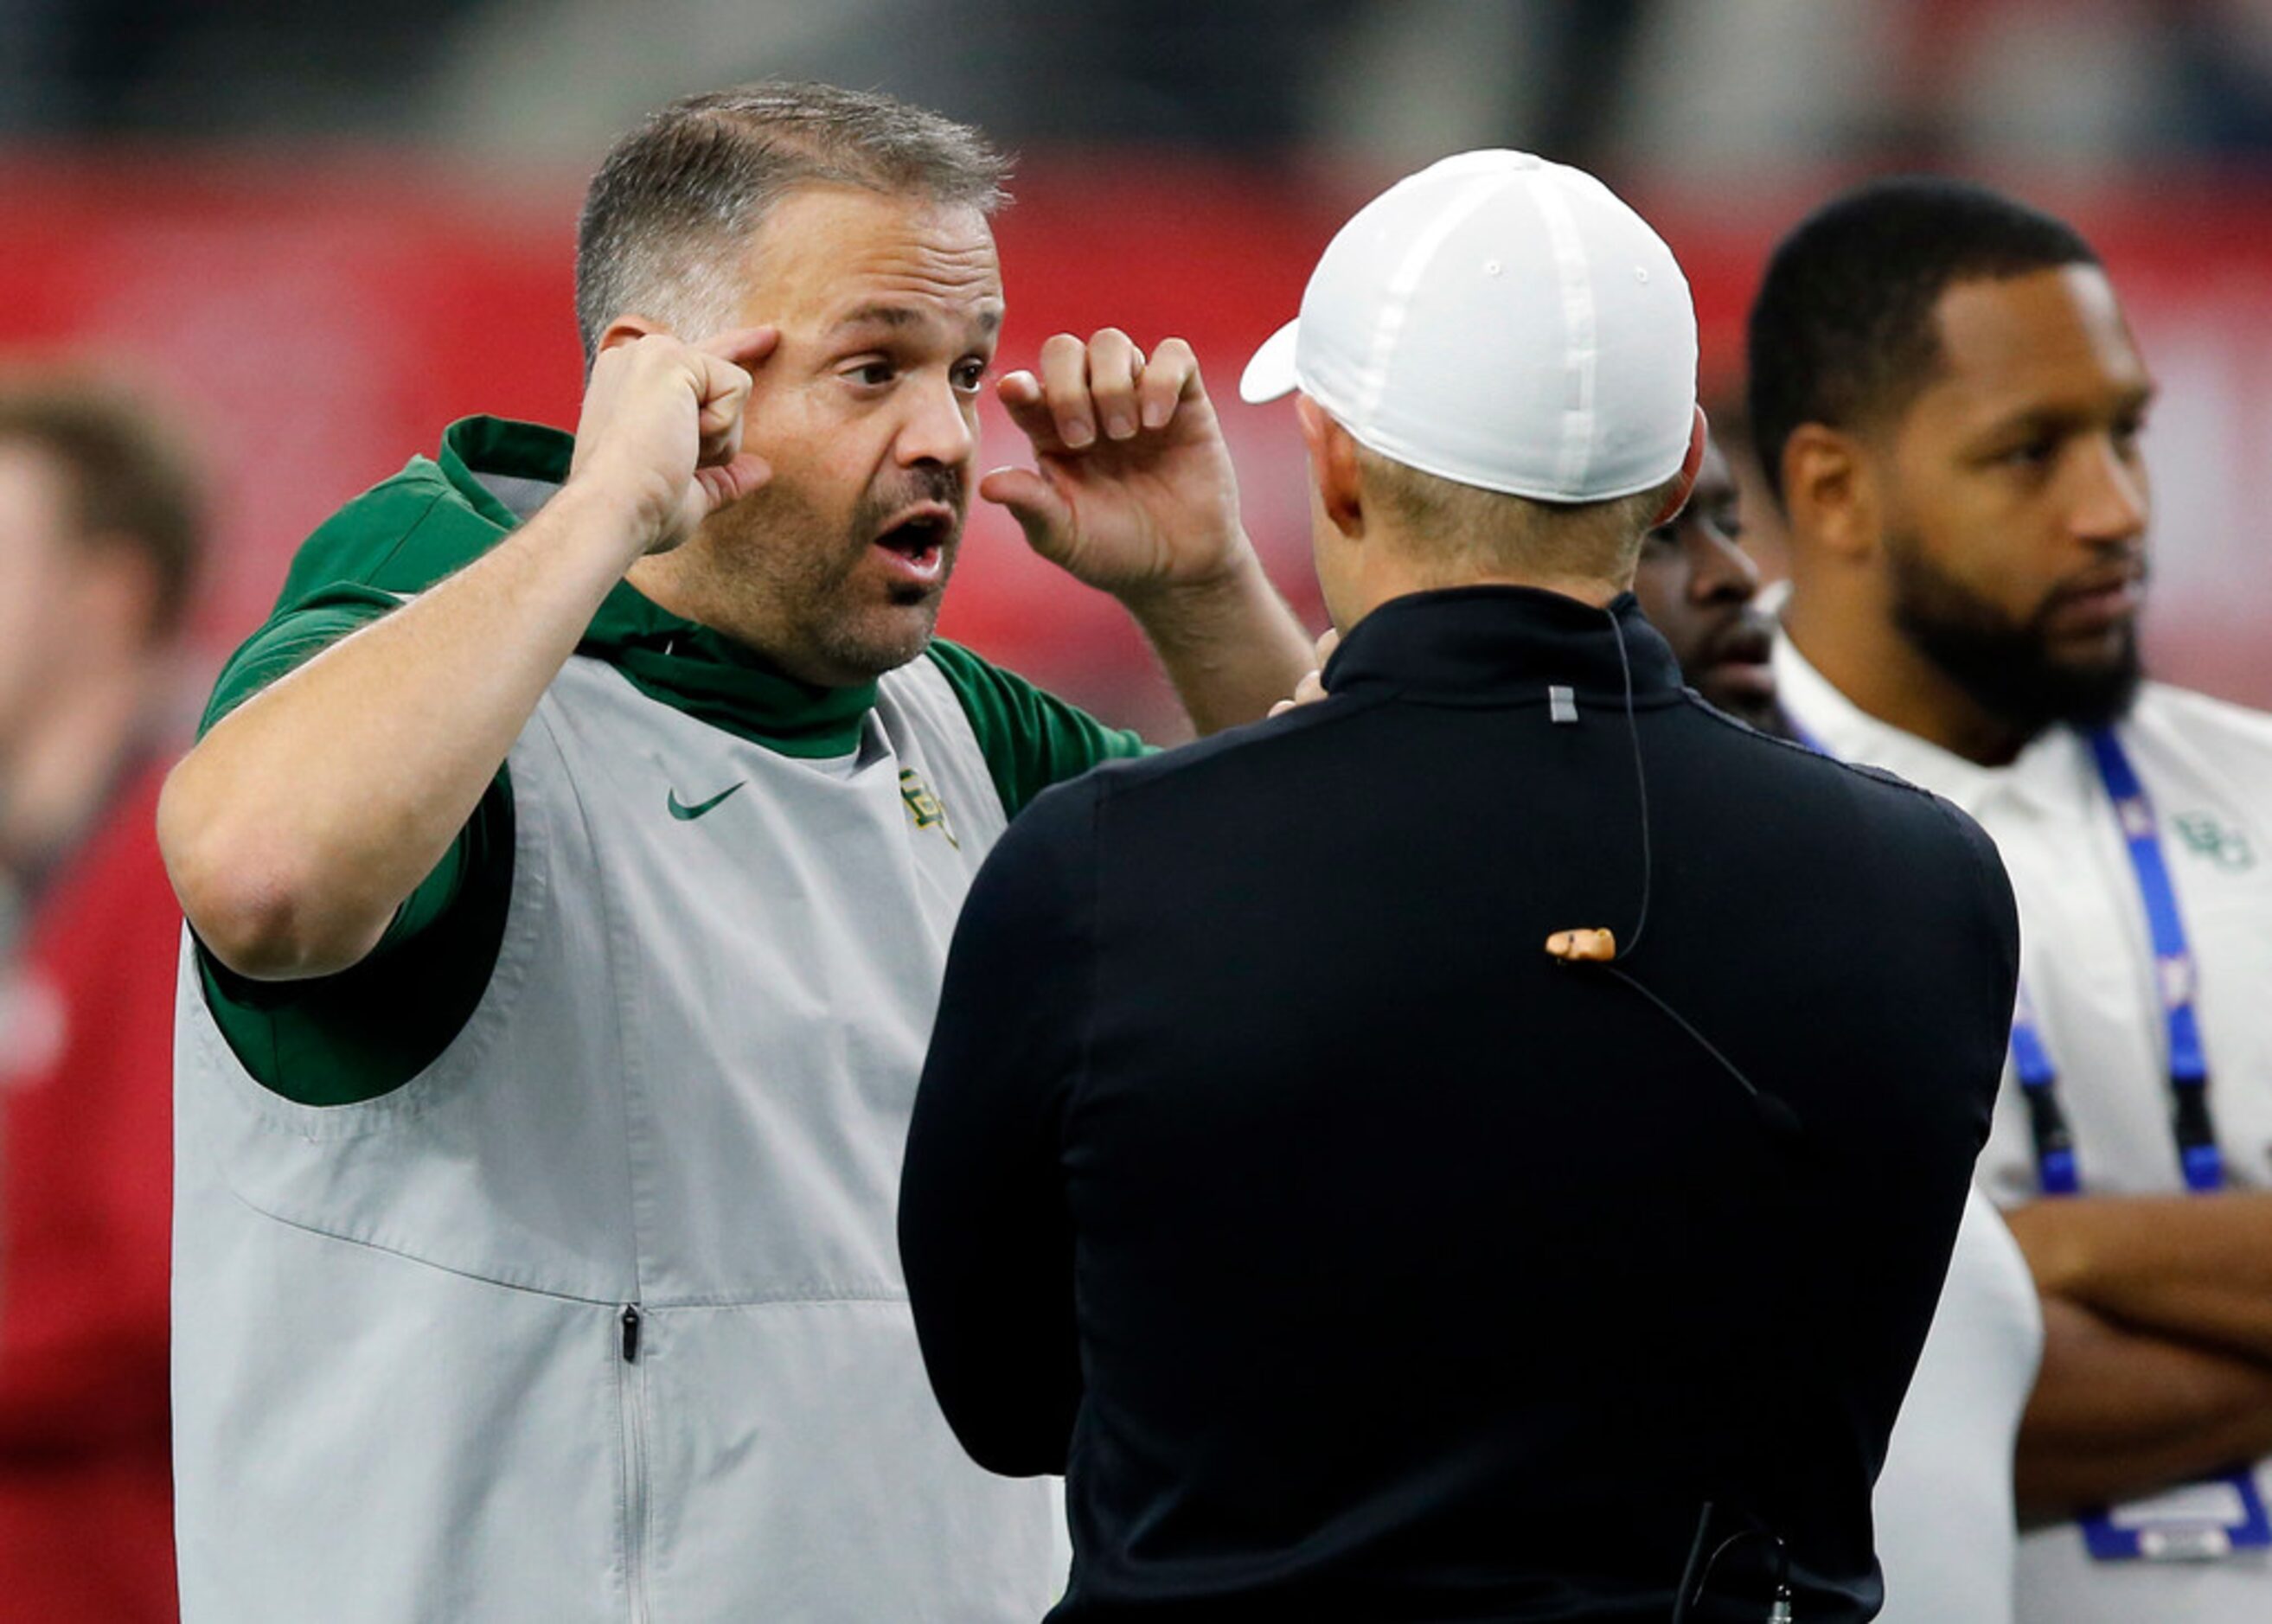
(1779, 1609)
(1647, 873)
(1693, 1578)
(1690, 1576)
(1681, 1021)
(1640, 784)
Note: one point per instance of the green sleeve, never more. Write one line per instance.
(1030, 739)
(289, 642)
(369, 1029)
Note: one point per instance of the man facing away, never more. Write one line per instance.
(1949, 402)
(571, 861)
(1468, 1148)
(101, 527)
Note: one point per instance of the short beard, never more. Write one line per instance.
(2005, 666)
(779, 577)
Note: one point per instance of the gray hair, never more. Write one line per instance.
(674, 207)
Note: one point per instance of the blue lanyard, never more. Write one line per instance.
(2056, 1167)
(2173, 963)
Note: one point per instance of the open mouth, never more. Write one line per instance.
(917, 542)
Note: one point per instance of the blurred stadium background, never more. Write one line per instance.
(320, 233)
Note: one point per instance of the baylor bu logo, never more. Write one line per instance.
(924, 806)
(2228, 848)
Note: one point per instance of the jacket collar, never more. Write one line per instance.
(496, 468)
(1493, 644)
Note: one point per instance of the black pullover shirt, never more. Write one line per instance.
(1355, 1259)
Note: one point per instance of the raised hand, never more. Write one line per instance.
(1133, 490)
(662, 430)
(1312, 688)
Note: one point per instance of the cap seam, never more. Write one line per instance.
(1411, 270)
(1580, 336)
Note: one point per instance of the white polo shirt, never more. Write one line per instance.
(2089, 966)
(1945, 1526)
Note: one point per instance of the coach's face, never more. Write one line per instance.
(889, 308)
(2014, 504)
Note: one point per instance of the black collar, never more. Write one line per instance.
(1497, 644)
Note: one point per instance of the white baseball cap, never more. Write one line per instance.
(1500, 321)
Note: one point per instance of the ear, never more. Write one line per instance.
(1691, 464)
(1333, 466)
(1829, 491)
(626, 327)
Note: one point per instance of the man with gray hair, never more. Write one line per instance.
(569, 862)
(1442, 1154)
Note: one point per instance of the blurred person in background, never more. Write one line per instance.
(572, 859)
(101, 527)
(1700, 589)
(1947, 403)
(1286, 1172)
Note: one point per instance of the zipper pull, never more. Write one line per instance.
(631, 1333)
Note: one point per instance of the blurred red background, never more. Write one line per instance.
(317, 324)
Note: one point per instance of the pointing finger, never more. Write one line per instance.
(744, 346)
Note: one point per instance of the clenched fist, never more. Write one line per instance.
(662, 430)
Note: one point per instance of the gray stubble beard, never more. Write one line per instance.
(772, 587)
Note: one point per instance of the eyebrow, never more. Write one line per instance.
(899, 316)
(2061, 418)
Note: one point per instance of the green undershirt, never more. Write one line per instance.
(360, 1034)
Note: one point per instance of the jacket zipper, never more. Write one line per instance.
(633, 1388)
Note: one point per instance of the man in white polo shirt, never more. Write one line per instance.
(1948, 403)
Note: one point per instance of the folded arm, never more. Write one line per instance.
(2118, 1413)
(2196, 1268)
